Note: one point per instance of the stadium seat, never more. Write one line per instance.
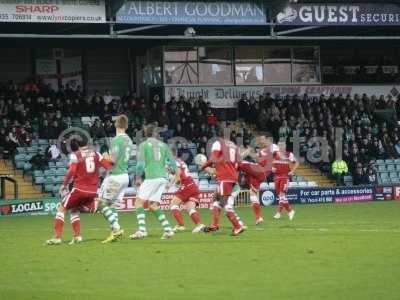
(19, 161)
(43, 142)
(39, 180)
(193, 168)
(49, 180)
(380, 162)
(32, 149)
(27, 167)
(381, 168)
(58, 179)
(61, 171)
(393, 175)
(348, 180)
(384, 175)
(21, 150)
(50, 172)
(86, 121)
(397, 168)
(395, 180)
(37, 173)
(385, 180)
(390, 168)
(48, 187)
(61, 164)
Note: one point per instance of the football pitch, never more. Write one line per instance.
(347, 251)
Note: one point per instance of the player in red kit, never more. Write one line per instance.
(282, 169)
(256, 173)
(84, 172)
(188, 195)
(225, 158)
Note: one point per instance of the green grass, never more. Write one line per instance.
(328, 252)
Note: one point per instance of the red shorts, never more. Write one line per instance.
(80, 200)
(281, 185)
(225, 188)
(255, 174)
(188, 193)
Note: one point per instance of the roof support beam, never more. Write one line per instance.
(136, 29)
(196, 37)
(297, 30)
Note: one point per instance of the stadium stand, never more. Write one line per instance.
(31, 120)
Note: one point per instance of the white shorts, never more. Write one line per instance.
(113, 188)
(152, 189)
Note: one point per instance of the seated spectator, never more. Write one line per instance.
(339, 170)
(185, 154)
(359, 176)
(52, 152)
(24, 137)
(97, 130)
(371, 176)
(211, 118)
(107, 97)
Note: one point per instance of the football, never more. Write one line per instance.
(200, 159)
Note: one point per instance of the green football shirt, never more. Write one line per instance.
(154, 157)
(121, 150)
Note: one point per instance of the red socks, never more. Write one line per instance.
(232, 217)
(177, 215)
(59, 224)
(195, 216)
(257, 209)
(76, 223)
(216, 212)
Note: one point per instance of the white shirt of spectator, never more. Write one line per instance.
(55, 153)
(107, 99)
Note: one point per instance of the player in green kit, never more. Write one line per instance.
(113, 187)
(154, 157)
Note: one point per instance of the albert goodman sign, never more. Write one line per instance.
(358, 14)
(193, 12)
(53, 11)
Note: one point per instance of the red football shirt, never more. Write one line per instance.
(281, 164)
(84, 169)
(225, 157)
(184, 175)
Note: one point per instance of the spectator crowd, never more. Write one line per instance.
(369, 124)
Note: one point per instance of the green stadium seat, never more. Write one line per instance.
(389, 161)
(49, 180)
(393, 175)
(380, 161)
